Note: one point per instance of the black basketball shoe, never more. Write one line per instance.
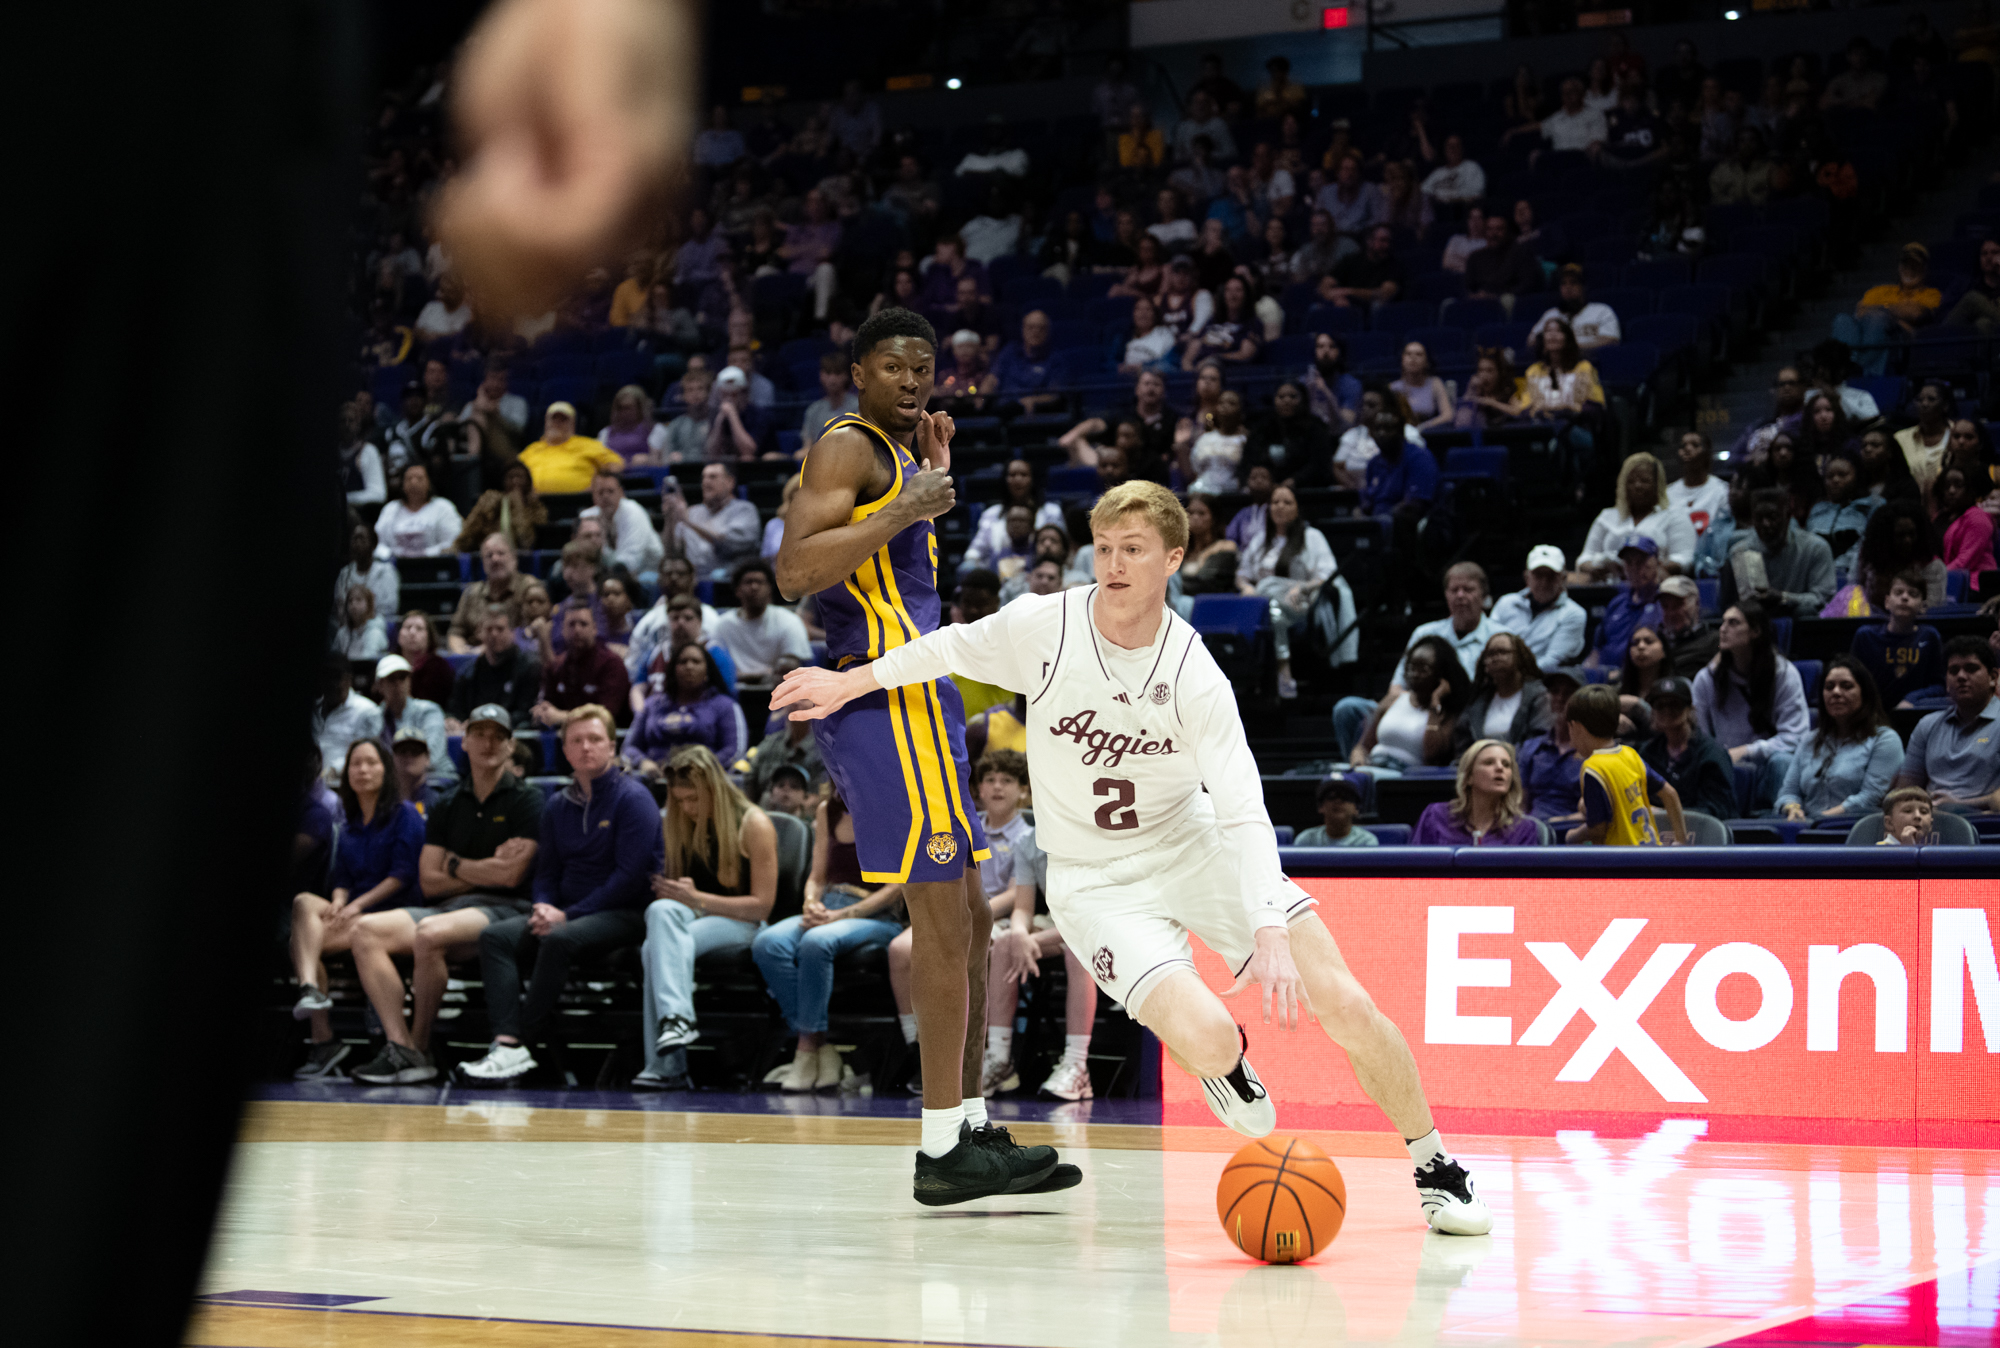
(969, 1170)
(1038, 1166)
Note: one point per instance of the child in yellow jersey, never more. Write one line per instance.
(1618, 787)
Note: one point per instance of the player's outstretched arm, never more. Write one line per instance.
(823, 543)
(810, 693)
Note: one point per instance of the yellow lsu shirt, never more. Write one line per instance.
(1616, 785)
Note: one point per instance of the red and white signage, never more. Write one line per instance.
(1776, 1010)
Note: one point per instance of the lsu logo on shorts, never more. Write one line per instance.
(897, 757)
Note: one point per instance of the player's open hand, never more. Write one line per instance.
(810, 693)
(1272, 969)
(934, 432)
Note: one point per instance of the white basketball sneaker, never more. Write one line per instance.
(1240, 1100)
(1450, 1203)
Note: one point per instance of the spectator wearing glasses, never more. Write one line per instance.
(1486, 809)
(1845, 769)
(1508, 703)
(600, 840)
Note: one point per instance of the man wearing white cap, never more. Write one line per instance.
(1543, 615)
(400, 712)
(562, 461)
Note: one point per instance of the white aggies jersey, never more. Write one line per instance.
(1120, 743)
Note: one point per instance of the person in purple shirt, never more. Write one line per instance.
(1248, 522)
(696, 708)
(808, 251)
(1486, 810)
(601, 845)
(1021, 369)
(374, 869)
(948, 264)
(1635, 606)
(1551, 769)
(702, 255)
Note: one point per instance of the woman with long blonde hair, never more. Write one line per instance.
(714, 890)
(1486, 809)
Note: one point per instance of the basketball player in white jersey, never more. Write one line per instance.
(1128, 720)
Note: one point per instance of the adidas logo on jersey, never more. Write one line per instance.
(1111, 749)
(1122, 698)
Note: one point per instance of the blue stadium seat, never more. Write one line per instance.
(1294, 349)
(1369, 348)
(1657, 274)
(580, 391)
(1484, 462)
(1091, 285)
(1738, 271)
(619, 368)
(386, 383)
(1955, 583)
(1333, 318)
(1809, 676)
(1069, 333)
(1071, 480)
(1078, 365)
(1885, 389)
(1612, 250)
(1945, 351)
(802, 349)
(1706, 302)
(1473, 314)
(1390, 835)
(1746, 788)
(1781, 635)
(1442, 343)
(1672, 333)
(566, 365)
(1710, 594)
(1029, 290)
(1513, 336)
(789, 441)
(1437, 286)
(1400, 316)
(777, 293)
(1112, 312)
(1244, 615)
(1626, 365)
(563, 341)
(1626, 301)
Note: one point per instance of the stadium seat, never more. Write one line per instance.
(618, 368)
(1112, 312)
(1390, 835)
(1399, 316)
(1078, 365)
(565, 365)
(1441, 343)
(1470, 463)
(1091, 285)
(1951, 830)
(1674, 334)
(1473, 314)
(1334, 318)
(1627, 302)
(1029, 291)
(1657, 274)
(1242, 614)
(1704, 830)
(1437, 286)
(1070, 333)
(1294, 349)
(1626, 366)
(1809, 676)
(1071, 480)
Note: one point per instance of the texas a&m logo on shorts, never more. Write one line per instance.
(1100, 964)
(941, 848)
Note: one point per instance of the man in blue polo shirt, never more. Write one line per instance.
(1638, 603)
(600, 845)
(1022, 368)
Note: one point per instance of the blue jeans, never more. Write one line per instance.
(1869, 336)
(677, 936)
(1350, 722)
(797, 962)
(1770, 780)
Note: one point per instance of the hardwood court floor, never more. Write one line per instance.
(499, 1223)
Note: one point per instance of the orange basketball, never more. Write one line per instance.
(1281, 1199)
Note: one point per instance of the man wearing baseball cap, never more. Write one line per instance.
(479, 854)
(1638, 602)
(1692, 763)
(563, 462)
(1887, 310)
(1551, 768)
(1690, 641)
(402, 712)
(1543, 614)
(1339, 800)
(412, 755)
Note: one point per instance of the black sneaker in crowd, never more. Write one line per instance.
(969, 1170)
(397, 1066)
(320, 1061)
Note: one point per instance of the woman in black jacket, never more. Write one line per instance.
(1289, 440)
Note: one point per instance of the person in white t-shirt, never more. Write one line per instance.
(418, 524)
(1592, 321)
(629, 535)
(1574, 126)
(757, 632)
(1458, 181)
(1129, 719)
(1357, 443)
(1702, 495)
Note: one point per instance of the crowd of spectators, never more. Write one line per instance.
(1192, 311)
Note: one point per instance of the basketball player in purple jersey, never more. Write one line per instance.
(858, 538)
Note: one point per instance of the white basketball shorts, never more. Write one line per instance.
(1128, 919)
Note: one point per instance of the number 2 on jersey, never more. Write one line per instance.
(1117, 813)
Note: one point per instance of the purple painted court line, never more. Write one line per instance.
(897, 1106)
(321, 1300)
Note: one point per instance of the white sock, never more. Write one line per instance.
(1425, 1149)
(909, 1024)
(975, 1111)
(1076, 1047)
(941, 1129)
(999, 1042)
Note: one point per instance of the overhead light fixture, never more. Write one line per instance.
(1732, 14)
(954, 83)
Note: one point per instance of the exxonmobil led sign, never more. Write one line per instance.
(1873, 1003)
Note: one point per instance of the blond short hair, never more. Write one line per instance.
(1161, 508)
(591, 711)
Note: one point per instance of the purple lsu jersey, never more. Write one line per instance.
(897, 756)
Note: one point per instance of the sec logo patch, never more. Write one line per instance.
(941, 848)
(1161, 693)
